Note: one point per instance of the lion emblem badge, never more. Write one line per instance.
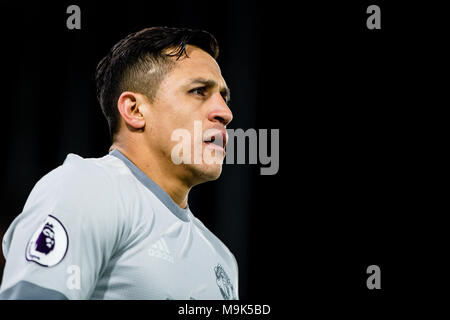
(224, 283)
(49, 243)
(46, 240)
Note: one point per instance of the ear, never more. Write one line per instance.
(128, 105)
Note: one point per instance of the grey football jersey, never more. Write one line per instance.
(99, 228)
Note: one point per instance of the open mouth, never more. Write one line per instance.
(212, 141)
(215, 139)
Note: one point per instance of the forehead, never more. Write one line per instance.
(197, 64)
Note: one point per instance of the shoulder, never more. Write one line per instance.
(77, 170)
(86, 197)
(75, 177)
(101, 193)
(81, 186)
(92, 177)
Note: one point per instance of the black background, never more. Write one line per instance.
(354, 108)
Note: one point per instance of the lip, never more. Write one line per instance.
(214, 146)
(215, 133)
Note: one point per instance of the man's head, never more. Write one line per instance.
(158, 80)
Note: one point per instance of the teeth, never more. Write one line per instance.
(212, 139)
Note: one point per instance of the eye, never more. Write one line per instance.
(199, 91)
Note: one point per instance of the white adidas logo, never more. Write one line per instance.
(160, 250)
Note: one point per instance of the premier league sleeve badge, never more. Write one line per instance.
(49, 243)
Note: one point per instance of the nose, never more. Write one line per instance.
(220, 112)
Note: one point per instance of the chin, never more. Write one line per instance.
(207, 172)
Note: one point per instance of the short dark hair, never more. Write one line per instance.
(139, 63)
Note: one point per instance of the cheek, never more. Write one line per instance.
(172, 118)
(164, 126)
(172, 113)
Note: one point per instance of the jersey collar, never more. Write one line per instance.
(182, 214)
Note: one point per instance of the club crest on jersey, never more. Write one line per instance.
(224, 283)
(49, 243)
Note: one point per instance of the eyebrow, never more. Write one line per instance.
(209, 83)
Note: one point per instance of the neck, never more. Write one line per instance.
(161, 174)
